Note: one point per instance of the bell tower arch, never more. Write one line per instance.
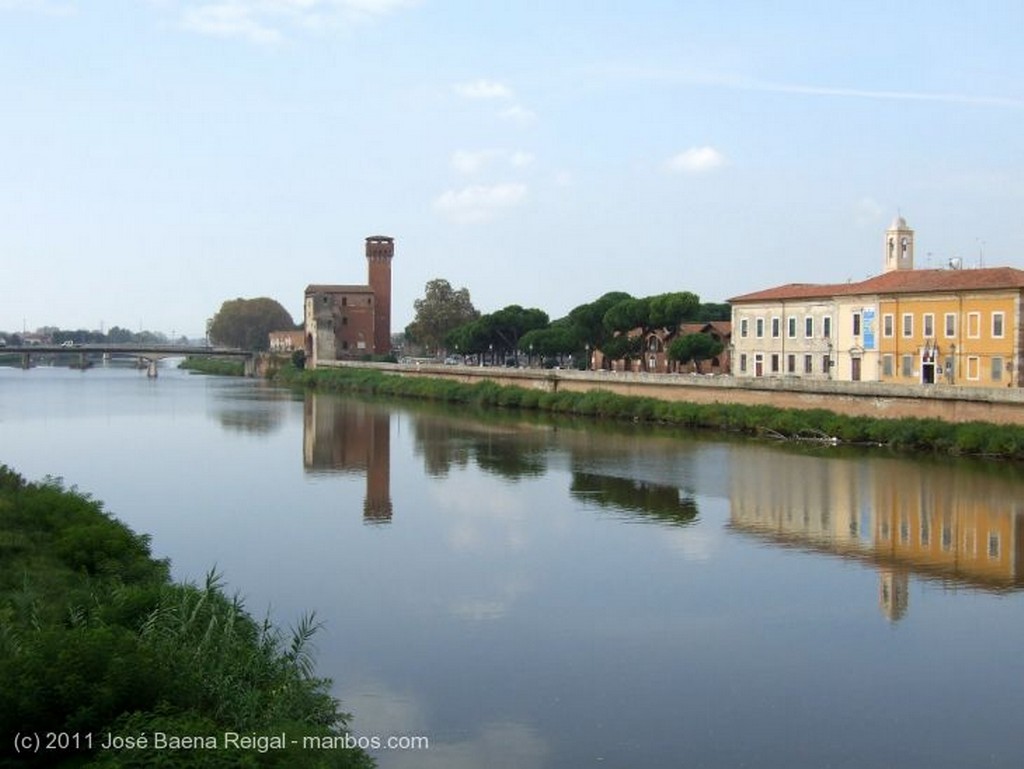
(899, 246)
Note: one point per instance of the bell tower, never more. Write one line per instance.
(899, 246)
(380, 249)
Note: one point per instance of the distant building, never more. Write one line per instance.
(349, 321)
(957, 326)
(287, 341)
(655, 350)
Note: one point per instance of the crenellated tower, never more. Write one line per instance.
(380, 250)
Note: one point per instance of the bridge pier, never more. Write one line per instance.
(26, 360)
(151, 369)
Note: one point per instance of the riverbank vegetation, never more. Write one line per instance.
(214, 366)
(95, 640)
(817, 425)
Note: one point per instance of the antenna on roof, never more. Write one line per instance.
(981, 252)
(955, 263)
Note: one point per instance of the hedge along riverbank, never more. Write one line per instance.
(96, 641)
(931, 435)
(213, 366)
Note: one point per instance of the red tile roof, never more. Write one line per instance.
(897, 282)
(325, 288)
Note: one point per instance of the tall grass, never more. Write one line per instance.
(931, 435)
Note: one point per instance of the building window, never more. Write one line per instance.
(808, 364)
(997, 369)
(997, 325)
(826, 327)
(887, 365)
(743, 363)
(775, 363)
(993, 544)
(908, 324)
(972, 367)
(907, 366)
(790, 364)
(926, 531)
(759, 327)
(888, 323)
(791, 327)
(929, 325)
(974, 325)
(950, 325)
(344, 321)
(856, 324)
(776, 328)
(808, 327)
(743, 328)
(344, 301)
(826, 364)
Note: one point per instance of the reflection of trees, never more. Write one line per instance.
(503, 451)
(258, 421)
(652, 500)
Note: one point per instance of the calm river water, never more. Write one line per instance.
(538, 594)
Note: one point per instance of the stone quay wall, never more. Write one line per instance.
(950, 403)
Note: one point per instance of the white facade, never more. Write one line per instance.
(784, 338)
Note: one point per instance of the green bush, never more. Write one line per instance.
(93, 634)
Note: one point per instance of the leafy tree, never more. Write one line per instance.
(665, 311)
(623, 347)
(498, 332)
(589, 318)
(694, 347)
(247, 323)
(441, 310)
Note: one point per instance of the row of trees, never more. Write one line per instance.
(115, 335)
(616, 324)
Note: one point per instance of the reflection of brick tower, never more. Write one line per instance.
(377, 505)
(380, 249)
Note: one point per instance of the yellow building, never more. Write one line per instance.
(908, 326)
(954, 326)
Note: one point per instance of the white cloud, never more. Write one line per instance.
(479, 203)
(475, 161)
(492, 89)
(483, 89)
(696, 160)
(518, 114)
(266, 21)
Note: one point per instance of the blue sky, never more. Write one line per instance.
(158, 157)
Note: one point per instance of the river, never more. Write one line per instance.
(531, 593)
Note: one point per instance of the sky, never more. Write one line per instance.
(159, 157)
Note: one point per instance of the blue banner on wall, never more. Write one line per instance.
(868, 318)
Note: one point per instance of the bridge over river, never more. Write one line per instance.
(148, 353)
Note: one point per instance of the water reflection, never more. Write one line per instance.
(508, 450)
(659, 502)
(349, 436)
(260, 413)
(953, 524)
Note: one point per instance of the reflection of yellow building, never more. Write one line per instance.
(952, 524)
(350, 436)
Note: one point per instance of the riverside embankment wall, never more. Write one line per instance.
(873, 399)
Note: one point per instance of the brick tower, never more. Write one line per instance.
(380, 249)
